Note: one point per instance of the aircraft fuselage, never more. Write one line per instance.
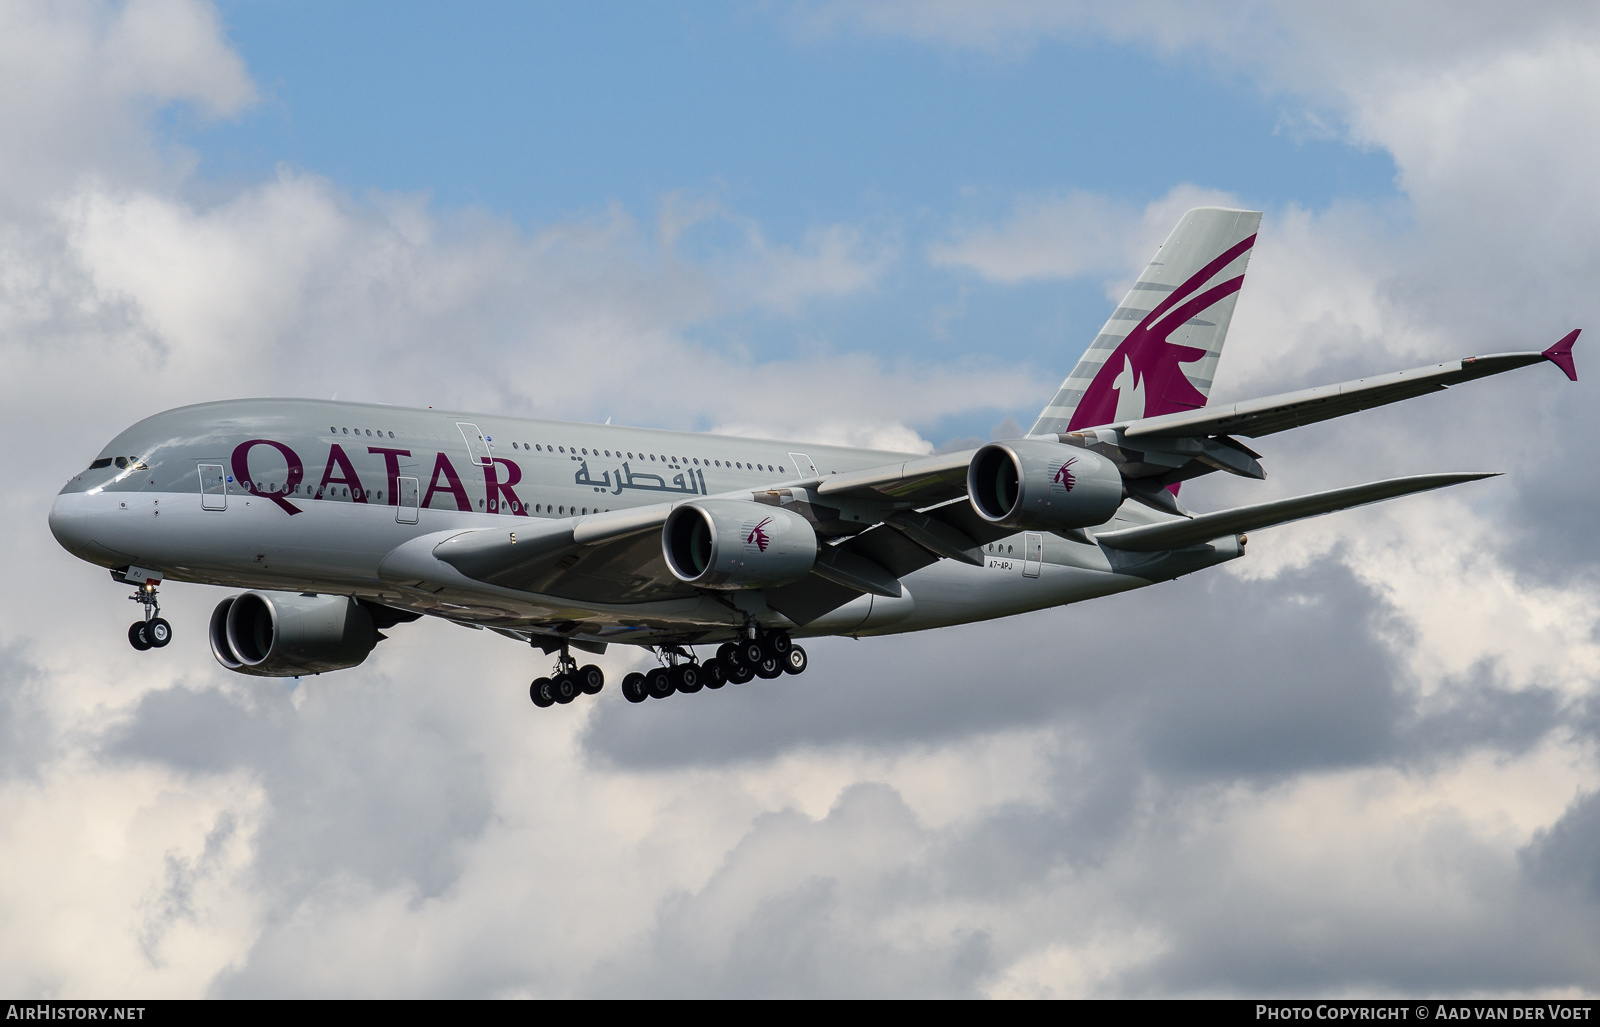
(322, 496)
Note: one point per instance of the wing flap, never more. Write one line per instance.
(1177, 534)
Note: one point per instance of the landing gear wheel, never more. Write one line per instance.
(728, 653)
(137, 636)
(565, 688)
(714, 673)
(541, 694)
(659, 683)
(591, 679)
(158, 632)
(739, 673)
(769, 668)
(794, 661)
(686, 678)
(776, 644)
(751, 652)
(633, 688)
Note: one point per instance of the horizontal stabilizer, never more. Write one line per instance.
(1256, 417)
(1193, 531)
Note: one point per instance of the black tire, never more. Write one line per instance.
(633, 688)
(728, 653)
(776, 644)
(541, 694)
(714, 673)
(137, 637)
(591, 679)
(564, 687)
(794, 661)
(769, 668)
(686, 678)
(751, 653)
(659, 683)
(158, 632)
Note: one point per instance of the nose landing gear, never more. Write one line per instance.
(153, 632)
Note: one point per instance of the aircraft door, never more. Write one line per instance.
(409, 492)
(1032, 554)
(477, 443)
(803, 464)
(213, 487)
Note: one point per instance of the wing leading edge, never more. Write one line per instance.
(1257, 417)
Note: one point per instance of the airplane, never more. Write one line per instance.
(342, 520)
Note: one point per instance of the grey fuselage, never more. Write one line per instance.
(324, 497)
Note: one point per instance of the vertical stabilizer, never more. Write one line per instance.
(1159, 351)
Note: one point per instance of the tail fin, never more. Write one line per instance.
(1176, 313)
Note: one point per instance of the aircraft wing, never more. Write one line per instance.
(616, 554)
(1257, 417)
(925, 480)
(1176, 534)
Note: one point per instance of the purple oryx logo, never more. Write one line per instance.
(1065, 478)
(758, 536)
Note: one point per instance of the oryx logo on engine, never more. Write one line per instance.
(757, 536)
(1065, 478)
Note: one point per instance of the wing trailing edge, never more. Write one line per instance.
(1177, 534)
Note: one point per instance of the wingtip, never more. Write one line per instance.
(1561, 354)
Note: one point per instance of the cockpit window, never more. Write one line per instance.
(122, 462)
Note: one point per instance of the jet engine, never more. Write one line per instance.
(1029, 483)
(285, 634)
(728, 543)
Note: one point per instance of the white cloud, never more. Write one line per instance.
(1072, 235)
(80, 76)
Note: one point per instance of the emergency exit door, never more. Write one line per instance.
(1032, 554)
(213, 487)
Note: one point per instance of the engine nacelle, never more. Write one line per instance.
(1033, 484)
(285, 634)
(728, 543)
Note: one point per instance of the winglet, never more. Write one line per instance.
(1561, 354)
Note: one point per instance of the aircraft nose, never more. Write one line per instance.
(69, 523)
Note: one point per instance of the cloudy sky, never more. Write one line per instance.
(1361, 761)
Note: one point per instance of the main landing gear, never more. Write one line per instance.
(763, 654)
(566, 682)
(153, 632)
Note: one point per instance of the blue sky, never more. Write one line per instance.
(541, 112)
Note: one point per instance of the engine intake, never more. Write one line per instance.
(1032, 484)
(285, 634)
(728, 543)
